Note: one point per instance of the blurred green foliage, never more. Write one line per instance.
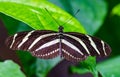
(116, 10)
(10, 69)
(22, 15)
(110, 68)
(91, 15)
(89, 65)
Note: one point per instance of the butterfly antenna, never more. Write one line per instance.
(52, 16)
(72, 17)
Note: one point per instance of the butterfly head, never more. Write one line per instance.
(60, 29)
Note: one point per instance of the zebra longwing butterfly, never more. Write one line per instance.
(48, 44)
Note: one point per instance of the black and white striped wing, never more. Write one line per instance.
(70, 50)
(88, 45)
(36, 41)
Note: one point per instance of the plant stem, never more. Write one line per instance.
(94, 72)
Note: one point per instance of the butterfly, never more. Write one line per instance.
(49, 44)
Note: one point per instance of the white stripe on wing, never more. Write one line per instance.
(14, 37)
(78, 40)
(41, 37)
(25, 39)
(93, 44)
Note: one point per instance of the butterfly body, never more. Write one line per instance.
(60, 38)
(48, 44)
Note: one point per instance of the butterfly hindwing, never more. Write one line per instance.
(70, 50)
(89, 45)
(47, 48)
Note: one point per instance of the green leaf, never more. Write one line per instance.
(34, 14)
(116, 10)
(89, 65)
(110, 68)
(91, 15)
(10, 69)
(44, 66)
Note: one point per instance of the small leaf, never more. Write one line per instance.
(10, 69)
(110, 68)
(116, 10)
(89, 65)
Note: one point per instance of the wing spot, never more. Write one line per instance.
(70, 55)
(47, 54)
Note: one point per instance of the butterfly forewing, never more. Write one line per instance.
(89, 45)
(32, 41)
